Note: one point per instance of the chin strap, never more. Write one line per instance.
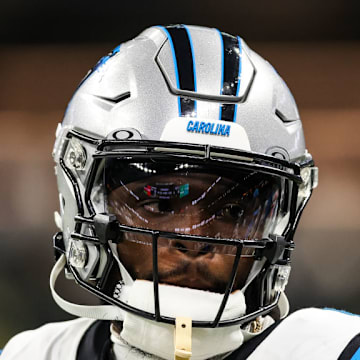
(101, 312)
(283, 305)
(182, 338)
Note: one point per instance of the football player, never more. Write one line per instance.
(182, 173)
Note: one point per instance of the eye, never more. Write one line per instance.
(158, 206)
(152, 207)
(233, 211)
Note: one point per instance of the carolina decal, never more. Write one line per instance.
(183, 56)
(230, 73)
(202, 127)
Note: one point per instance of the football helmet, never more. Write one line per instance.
(181, 164)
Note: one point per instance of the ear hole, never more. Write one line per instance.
(62, 204)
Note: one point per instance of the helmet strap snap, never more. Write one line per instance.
(182, 338)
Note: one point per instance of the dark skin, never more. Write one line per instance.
(213, 206)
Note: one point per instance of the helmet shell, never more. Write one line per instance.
(136, 87)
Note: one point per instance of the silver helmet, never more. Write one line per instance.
(181, 142)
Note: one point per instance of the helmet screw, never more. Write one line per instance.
(78, 255)
(305, 174)
(76, 158)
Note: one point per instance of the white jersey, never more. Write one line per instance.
(312, 334)
(52, 341)
(308, 334)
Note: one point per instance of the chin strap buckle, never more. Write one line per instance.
(182, 338)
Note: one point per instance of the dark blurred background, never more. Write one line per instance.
(46, 47)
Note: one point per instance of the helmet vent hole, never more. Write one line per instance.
(115, 99)
(62, 203)
(281, 116)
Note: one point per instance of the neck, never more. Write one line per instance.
(137, 335)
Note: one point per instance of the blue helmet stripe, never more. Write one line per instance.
(184, 63)
(239, 77)
(193, 58)
(240, 66)
(356, 356)
(230, 74)
(175, 63)
(222, 69)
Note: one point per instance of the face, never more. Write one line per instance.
(196, 204)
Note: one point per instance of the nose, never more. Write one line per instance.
(192, 248)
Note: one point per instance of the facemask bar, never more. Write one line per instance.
(106, 226)
(272, 249)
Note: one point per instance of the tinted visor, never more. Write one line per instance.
(194, 200)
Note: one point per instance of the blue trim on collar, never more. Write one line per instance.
(341, 311)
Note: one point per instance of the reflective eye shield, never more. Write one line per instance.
(139, 150)
(194, 154)
(143, 150)
(192, 199)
